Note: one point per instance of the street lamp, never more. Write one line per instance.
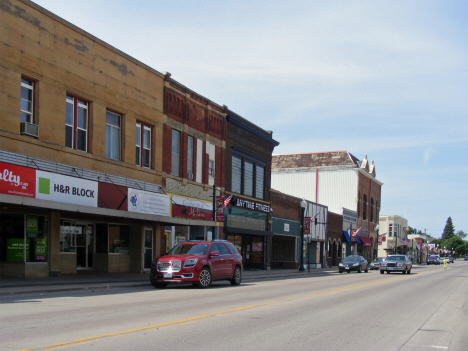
(301, 251)
(376, 253)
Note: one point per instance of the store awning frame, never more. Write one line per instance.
(365, 241)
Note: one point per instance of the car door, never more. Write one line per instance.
(363, 263)
(216, 262)
(227, 261)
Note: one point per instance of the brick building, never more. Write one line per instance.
(248, 156)
(334, 239)
(340, 181)
(81, 150)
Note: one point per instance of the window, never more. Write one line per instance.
(143, 145)
(364, 207)
(390, 227)
(259, 181)
(359, 205)
(119, 239)
(372, 209)
(175, 153)
(247, 177)
(236, 174)
(27, 102)
(189, 157)
(76, 124)
(211, 170)
(113, 122)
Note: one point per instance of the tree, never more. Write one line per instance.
(461, 234)
(458, 244)
(449, 230)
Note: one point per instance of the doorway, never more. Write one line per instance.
(84, 246)
(148, 248)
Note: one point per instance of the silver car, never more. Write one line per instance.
(375, 264)
(396, 263)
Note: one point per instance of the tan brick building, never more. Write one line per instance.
(81, 150)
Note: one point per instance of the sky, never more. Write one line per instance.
(386, 79)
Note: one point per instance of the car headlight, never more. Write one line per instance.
(383, 265)
(341, 265)
(356, 264)
(191, 262)
(400, 264)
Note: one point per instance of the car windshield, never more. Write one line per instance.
(396, 258)
(434, 257)
(189, 249)
(351, 259)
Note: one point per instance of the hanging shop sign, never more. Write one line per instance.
(219, 208)
(17, 180)
(148, 202)
(70, 190)
(251, 205)
(307, 225)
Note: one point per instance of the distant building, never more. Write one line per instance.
(340, 181)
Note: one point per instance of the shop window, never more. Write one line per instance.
(175, 154)
(68, 234)
(119, 239)
(113, 135)
(76, 124)
(143, 145)
(27, 101)
(23, 238)
(102, 241)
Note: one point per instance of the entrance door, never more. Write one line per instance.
(148, 249)
(84, 246)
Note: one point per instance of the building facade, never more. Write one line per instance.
(334, 239)
(247, 177)
(337, 180)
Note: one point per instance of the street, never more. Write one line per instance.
(425, 310)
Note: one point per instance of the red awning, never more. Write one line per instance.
(365, 241)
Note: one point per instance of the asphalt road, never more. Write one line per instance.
(426, 310)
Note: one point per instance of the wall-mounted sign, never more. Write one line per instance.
(191, 208)
(148, 202)
(71, 190)
(40, 250)
(15, 250)
(17, 180)
(32, 226)
(251, 205)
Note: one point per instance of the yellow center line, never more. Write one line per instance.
(85, 340)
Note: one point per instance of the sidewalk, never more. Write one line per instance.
(87, 280)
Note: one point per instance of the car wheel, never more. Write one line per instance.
(341, 271)
(348, 271)
(159, 285)
(367, 270)
(403, 271)
(382, 272)
(409, 271)
(205, 278)
(359, 270)
(237, 277)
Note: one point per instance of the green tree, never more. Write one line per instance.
(449, 230)
(458, 244)
(461, 234)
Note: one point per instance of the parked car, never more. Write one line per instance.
(450, 259)
(466, 258)
(199, 263)
(375, 264)
(396, 263)
(353, 263)
(433, 259)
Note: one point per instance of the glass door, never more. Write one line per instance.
(84, 246)
(148, 247)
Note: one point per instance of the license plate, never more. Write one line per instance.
(167, 275)
(347, 268)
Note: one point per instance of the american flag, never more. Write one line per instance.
(418, 245)
(355, 233)
(404, 241)
(227, 201)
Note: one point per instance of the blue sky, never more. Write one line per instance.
(384, 78)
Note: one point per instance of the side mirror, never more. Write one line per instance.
(214, 254)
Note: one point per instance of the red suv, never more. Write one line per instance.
(199, 263)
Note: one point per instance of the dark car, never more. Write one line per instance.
(199, 263)
(396, 263)
(433, 259)
(375, 264)
(353, 263)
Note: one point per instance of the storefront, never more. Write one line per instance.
(246, 229)
(285, 243)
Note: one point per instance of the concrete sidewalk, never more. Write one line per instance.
(86, 280)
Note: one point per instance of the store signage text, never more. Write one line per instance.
(252, 205)
(17, 180)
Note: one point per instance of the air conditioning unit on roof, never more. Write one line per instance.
(29, 129)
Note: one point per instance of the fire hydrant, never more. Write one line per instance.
(445, 262)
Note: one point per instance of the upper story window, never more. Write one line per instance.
(211, 170)
(359, 205)
(175, 158)
(372, 209)
(189, 157)
(76, 124)
(364, 207)
(27, 101)
(113, 135)
(390, 228)
(247, 177)
(143, 145)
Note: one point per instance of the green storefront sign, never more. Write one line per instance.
(32, 226)
(40, 250)
(15, 250)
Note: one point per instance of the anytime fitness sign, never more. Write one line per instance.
(251, 205)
